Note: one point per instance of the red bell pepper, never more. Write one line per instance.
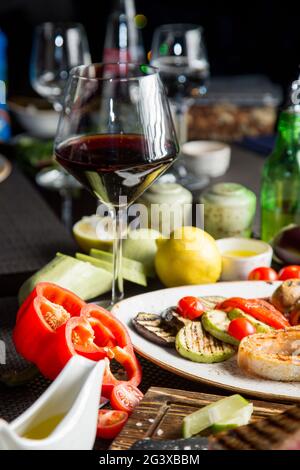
(257, 308)
(56, 294)
(54, 324)
(114, 331)
(126, 357)
(61, 347)
(43, 312)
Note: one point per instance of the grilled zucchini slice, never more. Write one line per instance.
(216, 322)
(196, 344)
(151, 327)
(260, 326)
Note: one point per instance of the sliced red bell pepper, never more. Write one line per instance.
(126, 357)
(118, 335)
(43, 312)
(77, 331)
(56, 294)
(257, 308)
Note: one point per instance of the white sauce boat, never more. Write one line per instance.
(75, 394)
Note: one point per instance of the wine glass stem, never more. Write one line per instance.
(66, 208)
(117, 281)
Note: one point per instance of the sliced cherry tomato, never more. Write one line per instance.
(241, 327)
(110, 423)
(263, 274)
(190, 307)
(289, 272)
(295, 318)
(259, 309)
(125, 397)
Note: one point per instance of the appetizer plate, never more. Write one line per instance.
(224, 374)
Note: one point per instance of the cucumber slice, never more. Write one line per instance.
(216, 322)
(217, 412)
(195, 344)
(131, 270)
(260, 326)
(80, 277)
(240, 418)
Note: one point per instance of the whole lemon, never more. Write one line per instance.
(189, 256)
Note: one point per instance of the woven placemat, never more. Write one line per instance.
(30, 233)
(15, 400)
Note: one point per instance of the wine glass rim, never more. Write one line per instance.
(77, 72)
(180, 27)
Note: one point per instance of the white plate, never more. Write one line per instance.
(224, 374)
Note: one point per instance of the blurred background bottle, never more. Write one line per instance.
(123, 39)
(280, 191)
(4, 116)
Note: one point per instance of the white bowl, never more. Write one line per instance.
(40, 123)
(238, 268)
(204, 157)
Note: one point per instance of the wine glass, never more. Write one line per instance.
(116, 136)
(57, 48)
(178, 51)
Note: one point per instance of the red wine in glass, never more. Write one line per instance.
(114, 165)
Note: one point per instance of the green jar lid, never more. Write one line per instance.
(168, 193)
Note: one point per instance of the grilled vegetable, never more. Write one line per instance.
(173, 320)
(152, 328)
(274, 356)
(286, 295)
(216, 322)
(194, 343)
(260, 326)
(210, 301)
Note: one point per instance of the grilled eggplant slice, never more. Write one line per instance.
(174, 320)
(216, 322)
(151, 327)
(196, 344)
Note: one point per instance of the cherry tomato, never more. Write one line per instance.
(295, 318)
(110, 423)
(241, 327)
(289, 272)
(125, 397)
(263, 274)
(190, 307)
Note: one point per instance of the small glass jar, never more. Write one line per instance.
(229, 210)
(169, 205)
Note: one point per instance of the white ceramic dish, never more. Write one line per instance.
(224, 374)
(40, 123)
(76, 395)
(204, 157)
(237, 268)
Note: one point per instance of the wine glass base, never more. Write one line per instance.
(56, 179)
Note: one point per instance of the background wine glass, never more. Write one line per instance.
(57, 48)
(179, 52)
(116, 136)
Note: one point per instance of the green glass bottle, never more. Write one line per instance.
(280, 190)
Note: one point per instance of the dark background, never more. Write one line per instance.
(256, 39)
